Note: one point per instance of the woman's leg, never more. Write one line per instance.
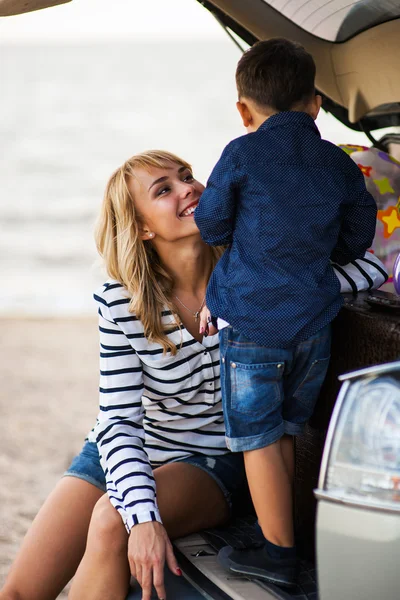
(53, 546)
(189, 500)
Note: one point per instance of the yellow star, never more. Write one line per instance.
(390, 220)
(384, 186)
(350, 148)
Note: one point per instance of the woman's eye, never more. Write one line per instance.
(163, 190)
(188, 177)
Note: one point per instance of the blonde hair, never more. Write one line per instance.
(132, 261)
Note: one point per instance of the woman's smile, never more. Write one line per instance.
(188, 211)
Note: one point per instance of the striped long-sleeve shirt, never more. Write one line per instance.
(154, 407)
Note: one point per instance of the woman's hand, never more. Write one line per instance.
(206, 327)
(148, 549)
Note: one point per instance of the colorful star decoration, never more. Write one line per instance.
(350, 148)
(390, 220)
(365, 170)
(384, 186)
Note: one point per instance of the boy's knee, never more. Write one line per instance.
(107, 531)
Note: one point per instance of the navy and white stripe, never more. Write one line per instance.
(367, 273)
(154, 407)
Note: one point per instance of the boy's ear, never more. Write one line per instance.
(316, 105)
(244, 113)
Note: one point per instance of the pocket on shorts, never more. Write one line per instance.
(308, 391)
(255, 388)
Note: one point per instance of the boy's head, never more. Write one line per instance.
(274, 76)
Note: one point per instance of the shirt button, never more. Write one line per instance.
(233, 365)
(205, 351)
(223, 361)
(279, 365)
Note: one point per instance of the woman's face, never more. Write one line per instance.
(166, 199)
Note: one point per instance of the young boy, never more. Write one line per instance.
(286, 203)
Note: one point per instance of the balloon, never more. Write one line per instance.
(396, 274)
(382, 178)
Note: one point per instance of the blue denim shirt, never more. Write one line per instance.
(285, 202)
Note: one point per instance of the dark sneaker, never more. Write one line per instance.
(258, 563)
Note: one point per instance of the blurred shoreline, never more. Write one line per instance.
(48, 399)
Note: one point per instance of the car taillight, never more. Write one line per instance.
(361, 462)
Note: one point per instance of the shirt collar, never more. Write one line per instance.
(289, 118)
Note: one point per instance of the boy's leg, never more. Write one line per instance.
(252, 386)
(271, 491)
(287, 448)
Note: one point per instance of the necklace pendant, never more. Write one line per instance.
(196, 316)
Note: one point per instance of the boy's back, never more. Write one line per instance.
(287, 202)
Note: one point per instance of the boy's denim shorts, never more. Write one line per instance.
(227, 470)
(268, 392)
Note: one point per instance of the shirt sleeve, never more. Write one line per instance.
(215, 213)
(358, 224)
(119, 429)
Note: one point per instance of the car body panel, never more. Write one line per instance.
(357, 552)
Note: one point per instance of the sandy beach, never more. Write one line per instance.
(48, 402)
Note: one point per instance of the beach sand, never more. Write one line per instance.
(48, 403)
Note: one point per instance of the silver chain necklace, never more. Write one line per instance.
(196, 314)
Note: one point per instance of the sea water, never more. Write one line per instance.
(69, 115)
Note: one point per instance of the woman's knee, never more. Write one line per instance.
(107, 532)
(9, 594)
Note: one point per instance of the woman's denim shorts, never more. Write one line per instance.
(227, 470)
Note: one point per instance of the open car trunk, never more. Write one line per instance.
(354, 45)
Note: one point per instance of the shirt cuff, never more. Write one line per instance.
(142, 517)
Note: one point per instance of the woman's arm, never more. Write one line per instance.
(120, 440)
(119, 428)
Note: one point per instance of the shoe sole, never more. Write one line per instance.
(225, 560)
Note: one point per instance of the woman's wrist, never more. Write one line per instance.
(146, 516)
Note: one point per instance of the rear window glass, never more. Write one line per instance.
(337, 20)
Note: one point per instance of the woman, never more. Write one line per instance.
(160, 424)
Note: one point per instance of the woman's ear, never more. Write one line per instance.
(244, 113)
(146, 234)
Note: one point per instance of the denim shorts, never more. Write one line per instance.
(268, 392)
(227, 470)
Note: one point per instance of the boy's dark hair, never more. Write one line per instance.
(276, 74)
